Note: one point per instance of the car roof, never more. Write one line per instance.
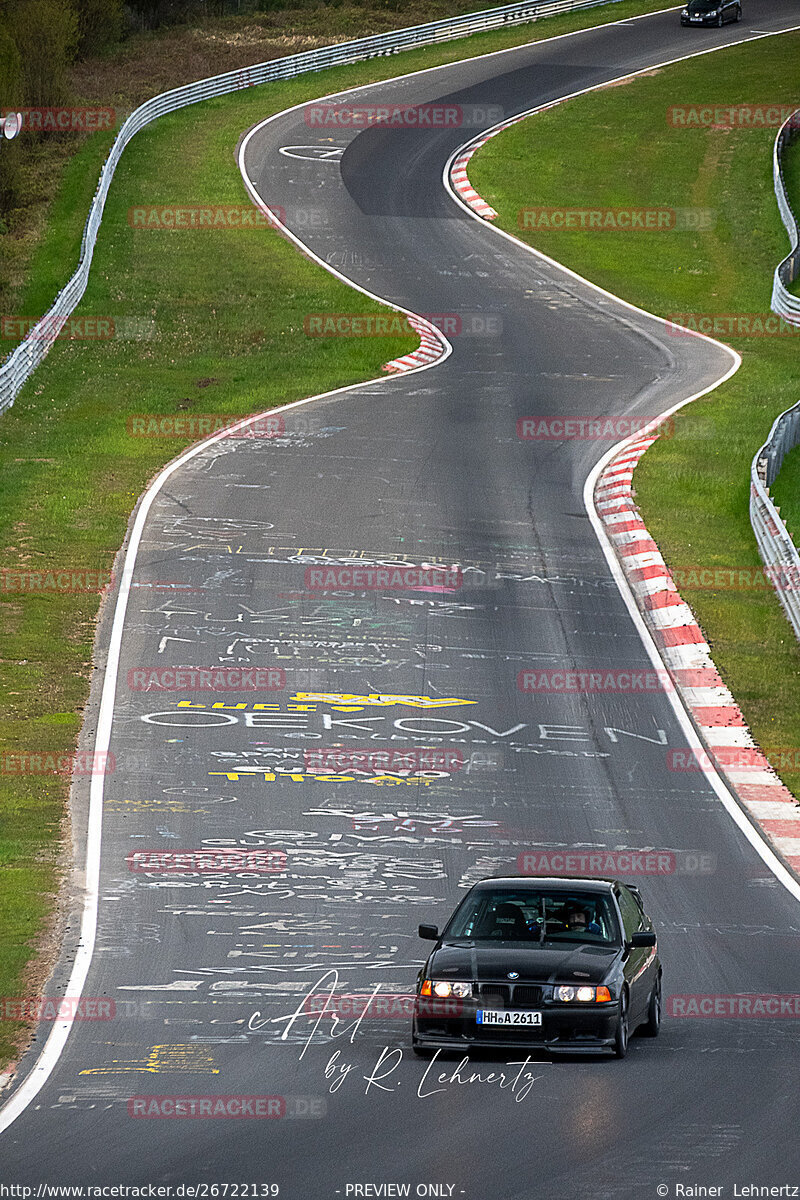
(560, 883)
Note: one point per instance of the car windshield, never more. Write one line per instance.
(506, 914)
(704, 5)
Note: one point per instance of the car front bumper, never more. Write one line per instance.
(584, 1028)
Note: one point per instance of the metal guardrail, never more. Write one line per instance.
(23, 360)
(777, 549)
(774, 543)
(786, 272)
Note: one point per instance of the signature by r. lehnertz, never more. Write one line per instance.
(515, 1077)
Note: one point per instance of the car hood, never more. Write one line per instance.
(534, 964)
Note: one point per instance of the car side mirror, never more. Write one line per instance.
(644, 938)
(429, 932)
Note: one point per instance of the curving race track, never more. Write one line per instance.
(425, 467)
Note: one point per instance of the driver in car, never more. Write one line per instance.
(579, 921)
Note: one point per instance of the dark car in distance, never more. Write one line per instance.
(711, 12)
(555, 963)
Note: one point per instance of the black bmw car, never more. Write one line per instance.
(711, 12)
(559, 964)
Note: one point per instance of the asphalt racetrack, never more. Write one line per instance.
(205, 970)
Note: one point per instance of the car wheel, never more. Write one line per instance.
(653, 1022)
(623, 1032)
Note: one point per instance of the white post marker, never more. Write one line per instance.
(12, 125)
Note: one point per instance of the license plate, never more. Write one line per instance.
(696, 20)
(495, 1016)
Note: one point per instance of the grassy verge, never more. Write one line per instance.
(69, 472)
(616, 148)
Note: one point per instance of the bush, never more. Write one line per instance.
(46, 36)
(99, 25)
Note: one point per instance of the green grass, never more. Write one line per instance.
(615, 147)
(226, 309)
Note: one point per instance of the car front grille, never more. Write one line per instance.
(503, 995)
(526, 995)
(494, 995)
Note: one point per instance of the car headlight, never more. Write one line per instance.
(443, 989)
(584, 994)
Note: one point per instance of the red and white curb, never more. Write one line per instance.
(458, 171)
(462, 185)
(687, 656)
(431, 347)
